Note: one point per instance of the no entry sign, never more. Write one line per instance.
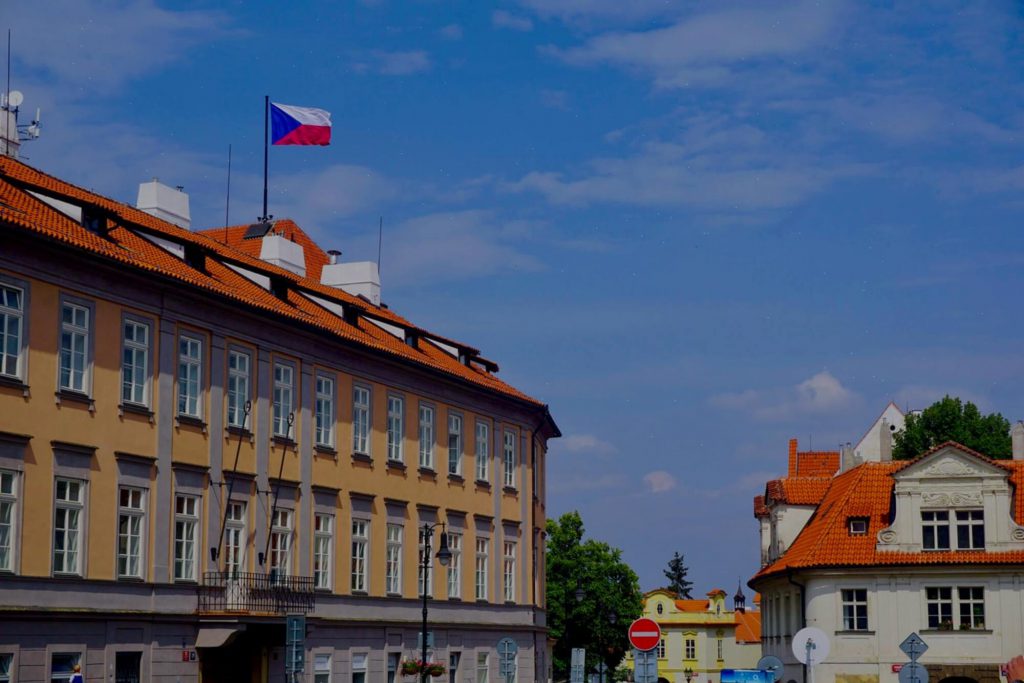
(644, 634)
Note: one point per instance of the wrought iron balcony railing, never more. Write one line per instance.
(247, 593)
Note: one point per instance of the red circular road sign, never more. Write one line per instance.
(644, 634)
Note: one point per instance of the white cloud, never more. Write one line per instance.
(318, 198)
(584, 443)
(820, 394)
(586, 11)
(394, 63)
(503, 19)
(450, 32)
(659, 481)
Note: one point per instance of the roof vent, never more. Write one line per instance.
(166, 203)
(360, 278)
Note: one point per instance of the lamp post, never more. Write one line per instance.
(444, 556)
(578, 595)
(688, 674)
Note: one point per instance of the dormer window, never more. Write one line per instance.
(858, 526)
(935, 530)
(660, 608)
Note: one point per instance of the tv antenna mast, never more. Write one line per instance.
(12, 133)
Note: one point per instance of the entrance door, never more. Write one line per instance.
(127, 667)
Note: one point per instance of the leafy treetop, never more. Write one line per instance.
(952, 420)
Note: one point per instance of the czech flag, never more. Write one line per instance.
(299, 125)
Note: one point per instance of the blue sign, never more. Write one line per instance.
(747, 676)
(295, 644)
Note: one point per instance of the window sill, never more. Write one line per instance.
(396, 465)
(189, 421)
(136, 409)
(361, 594)
(14, 383)
(510, 490)
(457, 478)
(483, 484)
(322, 449)
(855, 632)
(427, 472)
(235, 430)
(958, 631)
(131, 579)
(75, 397)
(279, 440)
(361, 457)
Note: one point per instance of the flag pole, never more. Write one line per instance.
(266, 153)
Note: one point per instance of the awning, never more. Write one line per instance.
(217, 636)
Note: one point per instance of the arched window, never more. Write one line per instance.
(661, 608)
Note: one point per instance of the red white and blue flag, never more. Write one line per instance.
(292, 125)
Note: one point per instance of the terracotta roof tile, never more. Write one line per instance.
(760, 509)
(692, 605)
(748, 627)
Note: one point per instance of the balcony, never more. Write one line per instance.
(249, 593)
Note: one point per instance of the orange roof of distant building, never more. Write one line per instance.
(234, 237)
(692, 605)
(760, 509)
(124, 243)
(748, 627)
(866, 491)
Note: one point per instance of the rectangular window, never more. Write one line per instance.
(454, 444)
(190, 373)
(720, 649)
(480, 578)
(455, 566)
(235, 539)
(359, 668)
(393, 660)
(483, 450)
(135, 363)
(971, 606)
(970, 529)
(858, 526)
(74, 345)
(361, 420)
(427, 437)
(940, 606)
(396, 425)
(453, 666)
(8, 513)
(6, 660)
(284, 399)
(393, 560)
(661, 649)
(481, 667)
(281, 542)
(425, 575)
(239, 364)
(12, 314)
(131, 525)
(508, 578)
(323, 542)
(325, 411)
(186, 526)
(322, 669)
(360, 541)
(127, 667)
(62, 666)
(935, 529)
(691, 648)
(67, 528)
(855, 609)
(510, 459)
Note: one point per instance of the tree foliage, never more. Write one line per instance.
(952, 420)
(609, 587)
(676, 575)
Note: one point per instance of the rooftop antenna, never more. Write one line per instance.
(227, 200)
(380, 241)
(13, 133)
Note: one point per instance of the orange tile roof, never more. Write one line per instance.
(234, 237)
(692, 605)
(760, 509)
(748, 627)
(866, 491)
(123, 243)
(795, 491)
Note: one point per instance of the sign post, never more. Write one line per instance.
(645, 666)
(913, 672)
(295, 644)
(577, 665)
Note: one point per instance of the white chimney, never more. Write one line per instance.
(885, 441)
(167, 203)
(9, 141)
(1017, 437)
(281, 251)
(359, 279)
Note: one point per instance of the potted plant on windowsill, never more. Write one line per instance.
(946, 625)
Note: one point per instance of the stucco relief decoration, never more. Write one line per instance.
(954, 499)
(886, 537)
(950, 468)
(1017, 534)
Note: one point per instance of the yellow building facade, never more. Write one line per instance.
(195, 442)
(702, 637)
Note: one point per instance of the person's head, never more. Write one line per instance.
(78, 668)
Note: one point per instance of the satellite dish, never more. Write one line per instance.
(772, 665)
(810, 646)
(15, 98)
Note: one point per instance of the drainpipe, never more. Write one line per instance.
(803, 606)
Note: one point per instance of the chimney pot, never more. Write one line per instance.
(1017, 437)
(333, 255)
(885, 441)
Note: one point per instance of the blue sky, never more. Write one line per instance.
(695, 229)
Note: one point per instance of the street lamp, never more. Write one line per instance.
(688, 674)
(444, 556)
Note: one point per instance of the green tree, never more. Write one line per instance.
(676, 575)
(608, 588)
(952, 420)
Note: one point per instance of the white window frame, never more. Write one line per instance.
(187, 509)
(321, 668)
(70, 331)
(393, 560)
(68, 560)
(326, 415)
(509, 459)
(9, 313)
(239, 387)
(65, 676)
(483, 667)
(323, 550)
(426, 435)
(508, 562)
(972, 520)
(359, 668)
(689, 648)
(135, 354)
(236, 539)
(131, 511)
(283, 399)
(190, 375)
(854, 612)
(483, 450)
(455, 565)
(480, 568)
(360, 554)
(362, 402)
(9, 480)
(396, 428)
(281, 530)
(455, 444)
(6, 666)
(965, 604)
(661, 648)
(939, 600)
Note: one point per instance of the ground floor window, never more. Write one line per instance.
(6, 660)
(322, 669)
(359, 668)
(393, 658)
(453, 667)
(128, 667)
(62, 666)
(481, 667)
